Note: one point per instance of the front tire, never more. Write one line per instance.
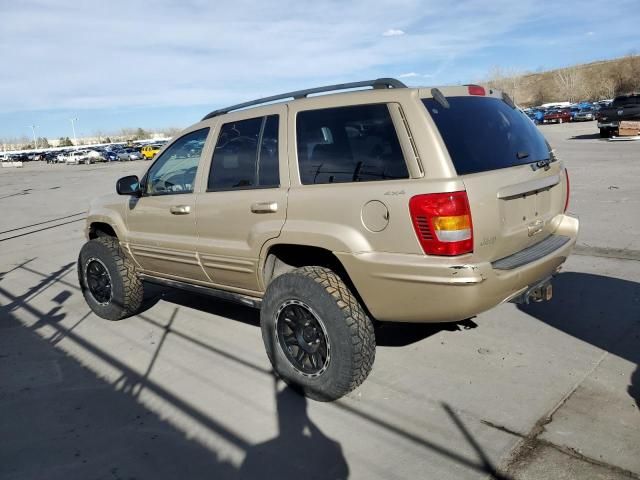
(108, 279)
(316, 334)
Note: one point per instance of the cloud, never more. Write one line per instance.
(392, 32)
(590, 33)
(69, 55)
(409, 75)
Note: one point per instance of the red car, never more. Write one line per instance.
(560, 115)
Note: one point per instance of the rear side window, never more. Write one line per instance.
(246, 155)
(348, 144)
(483, 133)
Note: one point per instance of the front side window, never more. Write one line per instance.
(175, 170)
(246, 155)
(348, 144)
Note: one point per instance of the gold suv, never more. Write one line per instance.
(330, 212)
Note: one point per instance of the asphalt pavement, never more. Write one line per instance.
(185, 390)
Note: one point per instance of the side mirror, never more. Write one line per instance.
(129, 185)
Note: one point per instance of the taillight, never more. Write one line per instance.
(443, 223)
(566, 200)
(476, 90)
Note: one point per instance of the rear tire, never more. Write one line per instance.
(315, 301)
(604, 133)
(108, 279)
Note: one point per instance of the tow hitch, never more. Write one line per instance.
(540, 292)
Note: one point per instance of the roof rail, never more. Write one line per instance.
(378, 83)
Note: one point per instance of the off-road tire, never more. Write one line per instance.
(604, 133)
(127, 289)
(348, 328)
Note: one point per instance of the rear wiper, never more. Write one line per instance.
(521, 155)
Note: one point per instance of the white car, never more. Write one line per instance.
(77, 157)
(96, 156)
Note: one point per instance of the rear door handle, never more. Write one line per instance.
(180, 209)
(264, 207)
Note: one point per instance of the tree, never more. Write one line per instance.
(508, 80)
(141, 134)
(608, 87)
(171, 131)
(107, 140)
(65, 142)
(569, 81)
(43, 142)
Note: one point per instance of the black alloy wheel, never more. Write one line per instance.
(98, 281)
(302, 338)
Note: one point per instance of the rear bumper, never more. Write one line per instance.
(423, 289)
(608, 124)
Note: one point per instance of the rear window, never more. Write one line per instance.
(626, 100)
(483, 133)
(348, 144)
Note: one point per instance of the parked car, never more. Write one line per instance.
(128, 154)
(150, 151)
(19, 157)
(78, 157)
(50, 157)
(330, 212)
(558, 115)
(574, 110)
(96, 156)
(585, 115)
(110, 156)
(536, 115)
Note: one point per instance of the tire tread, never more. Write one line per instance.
(359, 324)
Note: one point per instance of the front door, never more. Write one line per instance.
(162, 222)
(245, 200)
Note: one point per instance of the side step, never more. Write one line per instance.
(247, 300)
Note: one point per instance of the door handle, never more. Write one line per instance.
(264, 207)
(180, 209)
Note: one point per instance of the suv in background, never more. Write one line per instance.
(77, 157)
(150, 151)
(331, 212)
(623, 108)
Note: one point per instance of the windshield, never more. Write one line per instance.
(483, 133)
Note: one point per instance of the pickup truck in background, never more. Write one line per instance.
(624, 107)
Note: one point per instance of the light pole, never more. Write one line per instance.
(35, 141)
(73, 127)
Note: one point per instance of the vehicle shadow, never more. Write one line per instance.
(78, 425)
(602, 311)
(61, 420)
(64, 420)
(388, 334)
(587, 136)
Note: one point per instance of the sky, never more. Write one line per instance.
(166, 63)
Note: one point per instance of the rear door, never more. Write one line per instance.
(515, 197)
(245, 200)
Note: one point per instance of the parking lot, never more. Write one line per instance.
(185, 390)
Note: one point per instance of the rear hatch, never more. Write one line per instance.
(514, 185)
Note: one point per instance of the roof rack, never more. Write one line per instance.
(378, 83)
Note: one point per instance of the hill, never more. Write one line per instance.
(590, 81)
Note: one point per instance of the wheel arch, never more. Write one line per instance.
(105, 224)
(280, 258)
(100, 229)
